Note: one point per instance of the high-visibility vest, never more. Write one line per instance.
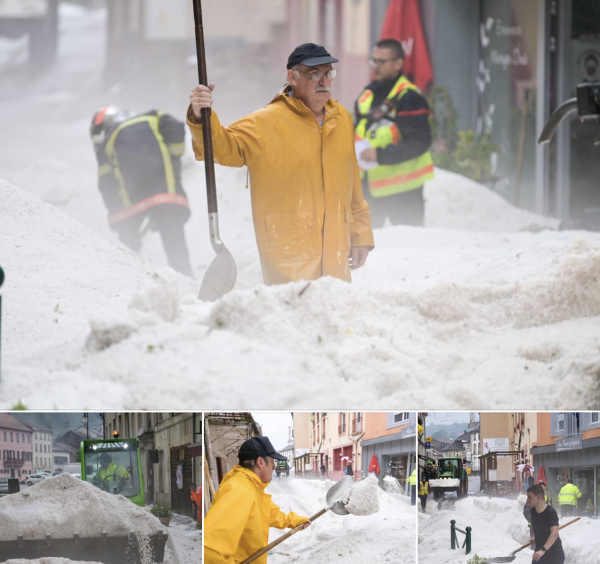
(569, 495)
(424, 488)
(413, 478)
(386, 180)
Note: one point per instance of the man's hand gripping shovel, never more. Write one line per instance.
(221, 273)
(512, 556)
(334, 503)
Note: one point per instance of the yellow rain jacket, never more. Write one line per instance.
(237, 523)
(307, 201)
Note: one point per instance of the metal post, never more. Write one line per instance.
(468, 540)
(1, 281)
(452, 535)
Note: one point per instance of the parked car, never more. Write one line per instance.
(3, 485)
(282, 468)
(36, 478)
(57, 472)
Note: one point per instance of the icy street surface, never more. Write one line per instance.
(498, 528)
(186, 540)
(469, 312)
(385, 536)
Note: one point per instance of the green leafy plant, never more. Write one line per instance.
(161, 511)
(19, 406)
(477, 559)
(458, 151)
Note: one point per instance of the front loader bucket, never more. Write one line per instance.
(105, 549)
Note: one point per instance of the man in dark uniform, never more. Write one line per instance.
(139, 176)
(544, 522)
(393, 137)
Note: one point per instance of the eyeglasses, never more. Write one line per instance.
(318, 75)
(376, 62)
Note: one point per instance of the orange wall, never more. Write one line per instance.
(545, 431)
(375, 426)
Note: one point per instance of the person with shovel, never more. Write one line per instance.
(544, 522)
(310, 217)
(237, 523)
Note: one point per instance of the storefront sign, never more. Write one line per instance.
(572, 442)
(495, 445)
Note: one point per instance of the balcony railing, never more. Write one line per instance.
(357, 425)
(13, 462)
(342, 429)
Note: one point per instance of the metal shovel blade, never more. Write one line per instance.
(221, 274)
(500, 559)
(336, 493)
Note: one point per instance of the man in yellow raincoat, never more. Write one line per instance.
(310, 217)
(237, 523)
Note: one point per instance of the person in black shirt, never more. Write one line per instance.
(544, 522)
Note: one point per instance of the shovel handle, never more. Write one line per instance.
(281, 538)
(561, 527)
(209, 159)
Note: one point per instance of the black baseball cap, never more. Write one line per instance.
(310, 55)
(258, 446)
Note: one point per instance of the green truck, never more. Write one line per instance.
(282, 468)
(451, 477)
(114, 466)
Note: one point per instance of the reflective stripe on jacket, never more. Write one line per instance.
(307, 202)
(237, 523)
(424, 488)
(389, 179)
(139, 166)
(569, 495)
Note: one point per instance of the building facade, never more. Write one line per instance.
(568, 446)
(16, 446)
(390, 441)
(43, 458)
(175, 436)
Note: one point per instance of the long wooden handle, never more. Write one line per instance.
(561, 527)
(209, 159)
(208, 478)
(282, 538)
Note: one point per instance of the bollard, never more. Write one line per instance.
(1, 281)
(454, 539)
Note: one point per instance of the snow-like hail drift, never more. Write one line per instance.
(363, 497)
(64, 505)
(466, 315)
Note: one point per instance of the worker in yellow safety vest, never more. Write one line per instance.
(109, 475)
(423, 493)
(413, 487)
(567, 499)
(393, 137)
(139, 177)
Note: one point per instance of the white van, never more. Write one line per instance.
(73, 469)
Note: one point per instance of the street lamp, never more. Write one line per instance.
(87, 427)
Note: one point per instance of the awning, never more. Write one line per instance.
(195, 450)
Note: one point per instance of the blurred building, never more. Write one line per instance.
(177, 437)
(568, 446)
(333, 442)
(42, 447)
(389, 442)
(16, 444)
(62, 455)
(224, 434)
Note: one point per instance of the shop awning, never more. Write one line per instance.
(195, 450)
